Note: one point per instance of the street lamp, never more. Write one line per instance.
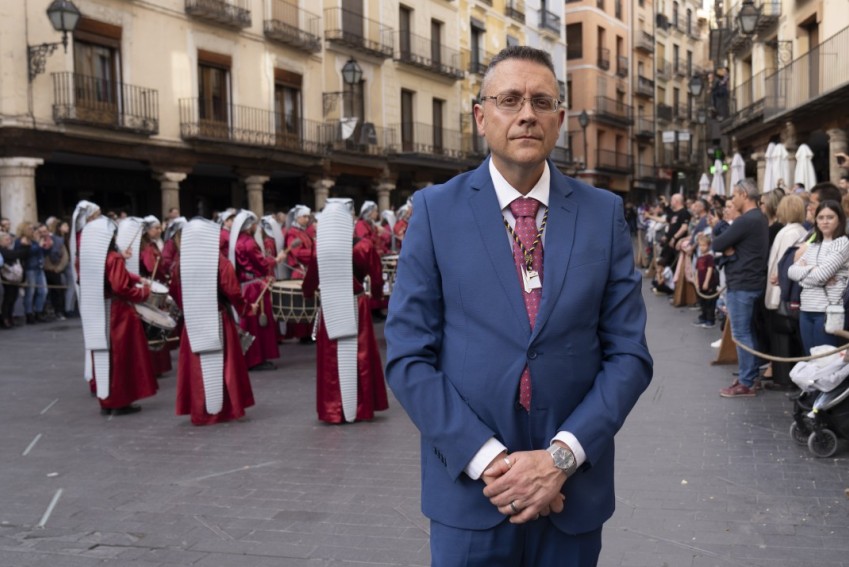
(584, 121)
(352, 74)
(696, 85)
(64, 17)
(701, 116)
(748, 17)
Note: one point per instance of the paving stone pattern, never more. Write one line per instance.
(701, 481)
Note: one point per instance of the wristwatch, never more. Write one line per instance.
(564, 459)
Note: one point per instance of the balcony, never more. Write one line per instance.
(603, 59)
(352, 136)
(549, 21)
(352, 30)
(747, 101)
(229, 13)
(679, 69)
(734, 39)
(663, 70)
(427, 140)
(662, 22)
(645, 87)
(645, 172)
(818, 79)
(621, 66)
(294, 27)
(92, 101)
(613, 111)
(562, 157)
(515, 9)
(644, 129)
(645, 42)
(476, 62)
(613, 162)
(664, 112)
(235, 124)
(427, 54)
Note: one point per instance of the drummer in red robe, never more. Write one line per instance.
(205, 287)
(122, 369)
(225, 219)
(169, 249)
(255, 272)
(150, 266)
(367, 228)
(300, 245)
(337, 377)
(401, 223)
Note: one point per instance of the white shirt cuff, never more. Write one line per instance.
(572, 441)
(483, 457)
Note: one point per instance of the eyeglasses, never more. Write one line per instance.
(514, 103)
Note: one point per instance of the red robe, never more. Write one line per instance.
(148, 256)
(224, 242)
(400, 229)
(367, 231)
(253, 269)
(131, 376)
(371, 387)
(169, 256)
(299, 258)
(238, 394)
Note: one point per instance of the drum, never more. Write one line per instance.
(390, 266)
(158, 325)
(290, 305)
(158, 295)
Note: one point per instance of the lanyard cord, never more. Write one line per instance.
(528, 254)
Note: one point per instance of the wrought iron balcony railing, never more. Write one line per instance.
(79, 99)
(291, 25)
(664, 112)
(562, 156)
(622, 66)
(645, 41)
(644, 128)
(614, 111)
(603, 59)
(353, 30)
(549, 21)
(820, 75)
(230, 13)
(355, 137)
(477, 61)
(663, 70)
(427, 139)
(643, 171)
(617, 162)
(428, 54)
(747, 100)
(515, 9)
(474, 146)
(645, 86)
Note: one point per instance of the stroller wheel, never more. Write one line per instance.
(822, 443)
(799, 434)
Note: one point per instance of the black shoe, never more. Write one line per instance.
(377, 315)
(126, 410)
(267, 365)
(30, 319)
(306, 340)
(105, 411)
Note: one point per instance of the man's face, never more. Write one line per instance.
(520, 139)
(5, 225)
(698, 209)
(5, 241)
(813, 203)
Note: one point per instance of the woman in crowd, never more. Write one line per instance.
(55, 263)
(36, 285)
(11, 256)
(769, 207)
(822, 272)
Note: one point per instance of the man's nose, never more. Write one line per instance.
(527, 113)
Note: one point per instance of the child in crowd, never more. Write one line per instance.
(664, 281)
(708, 279)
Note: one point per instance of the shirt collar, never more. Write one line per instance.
(506, 193)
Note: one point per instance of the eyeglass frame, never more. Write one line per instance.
(530, 99)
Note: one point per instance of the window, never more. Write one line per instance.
(675, 58)
(675, 13)
(405, 19)
(407, 126)
(477, 57)
(511, 41)
(97, 57)
(574, 41)
(213, 94)
(436, 42)
(438, 110)
(689, 63)
(569, 92)
(689, 21)
(287, 107)
(676, 98)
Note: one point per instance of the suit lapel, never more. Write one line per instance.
(559, 238)
(489, 219)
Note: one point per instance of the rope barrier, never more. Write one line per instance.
(773, 358)
(714, 296)
(25, 284)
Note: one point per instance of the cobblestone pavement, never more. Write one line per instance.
(702, 481)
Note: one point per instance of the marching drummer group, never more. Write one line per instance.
(227, 292)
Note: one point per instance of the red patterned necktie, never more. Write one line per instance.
(525, 211)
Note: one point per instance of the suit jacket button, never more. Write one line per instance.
(532, 354)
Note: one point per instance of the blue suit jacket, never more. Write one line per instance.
(458, 337)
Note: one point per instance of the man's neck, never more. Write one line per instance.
(520, 178)
(748, 206)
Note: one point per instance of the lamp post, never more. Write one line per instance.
(697, 85)
(584, 121)
(748, 17)
(64, 17)
(352, 74)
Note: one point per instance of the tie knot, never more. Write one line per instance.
(524, 207)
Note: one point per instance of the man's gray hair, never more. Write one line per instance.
(521, 52)
(749, 187)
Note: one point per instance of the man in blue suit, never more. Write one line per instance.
(517, 369)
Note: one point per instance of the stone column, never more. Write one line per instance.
(384, 188)
(321, 189)
(17, 189)
(253, 186)
(169, 187)
(759, 157)
(788, 138)
(836, 143)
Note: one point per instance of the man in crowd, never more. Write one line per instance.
(678, 221)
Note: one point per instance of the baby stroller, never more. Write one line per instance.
(821, 412)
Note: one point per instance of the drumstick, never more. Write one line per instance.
(258, 299)
(155, 266)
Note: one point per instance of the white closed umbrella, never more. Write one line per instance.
(704, 183)
(805, 173)
(738, 170)
(781, 166)
(769, 171)
(717, 184)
